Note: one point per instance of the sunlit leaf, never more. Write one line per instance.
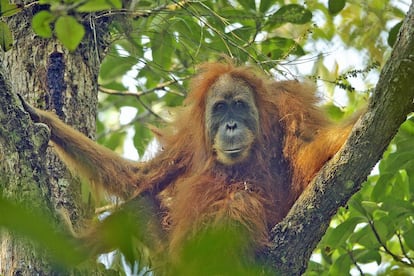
(114, 139)
(369, 206)
(69, 31)
(38, 227)
(365, 237)
(356, 205)
(382, 229)
(365, 256)
(7, 9)
(280, 47)
(162, 48)
(334, 111)
(336, 237)
(6, 37)
(335, 6)
(382, 188)
(41, 23)
(265, 5)
(99, 5)
(114, 67)
(393, 34)
(397, 161)
(291, 13)
(400, 207)
(216, 251)
(142, 138)
(173, 100)
(343, 263)
(409, 238)
(248, 4)
(379, 214)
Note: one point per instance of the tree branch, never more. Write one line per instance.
(161, 86)
(404, 251)
(295, 238)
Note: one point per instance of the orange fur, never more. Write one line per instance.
(193, 190)
(296, 141)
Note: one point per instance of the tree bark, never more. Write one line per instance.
(295, 238)
(49, 76)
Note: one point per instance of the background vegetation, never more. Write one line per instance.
(155, 47)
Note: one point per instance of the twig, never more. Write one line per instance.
(355, 262)
(387, 250)
(410, 260)
(225, 38)
(138, 118)
(160, 86)
(105, 208)
(142, 13)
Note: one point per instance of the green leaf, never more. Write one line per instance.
(173, 100)
(69, 31)
(115, 139)
(383, 187)
(343, 263)
(7, 9)
(141, 138)
(335, 238)
(336, 6)
(392, 35)
(100, 5)
(265, 5)
(47, 2)
(409, 238)
(114, 67)
(355, 205)
(379, 214)
(41, 23)
(162, 48)
(365, 256)
(383, 230)
(314, 268)
(370, 206)
(6, 37)
(35, 225)
(292, 13)
(397, 161)
(407, 129)
(248, 4)
(280, 47)
(399, 207)
(334, 111)
(365, 237)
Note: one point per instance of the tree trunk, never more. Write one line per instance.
(295, 238)
(46, 75)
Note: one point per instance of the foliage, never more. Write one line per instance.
(214, 250)
(377, 226)
(217, 251)
(156, 45)
(162, 47)
(6, 9)
(33, 224)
